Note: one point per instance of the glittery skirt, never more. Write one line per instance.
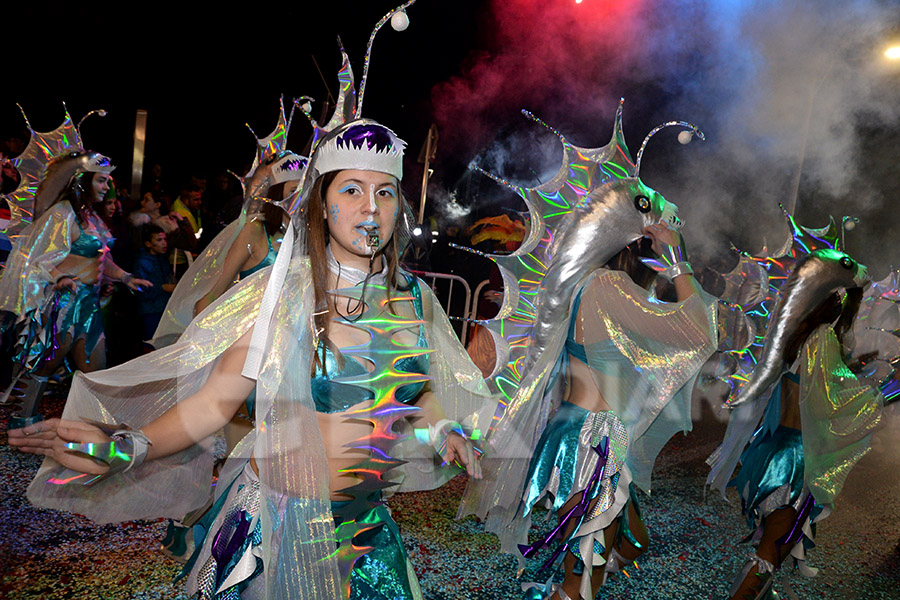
(65, 313)
(79, 315)
(771, 473)
(228, 560)
(562, 466)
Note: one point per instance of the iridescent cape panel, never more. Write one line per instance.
(299, 536)
(41, 246)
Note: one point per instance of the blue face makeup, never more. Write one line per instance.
(389, 191)
(335, 211)
(349, 186)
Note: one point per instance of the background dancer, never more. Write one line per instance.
(53, 276)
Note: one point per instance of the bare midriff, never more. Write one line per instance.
(87, 270)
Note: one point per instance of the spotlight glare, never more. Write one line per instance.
(893, 53)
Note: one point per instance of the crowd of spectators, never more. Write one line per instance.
(157, 238)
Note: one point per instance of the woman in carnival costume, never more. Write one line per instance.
(335, 339)
(246, 246)
(53, 276)
(802, 420)
(605, 377)
(251, 242)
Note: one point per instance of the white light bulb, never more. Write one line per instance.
(417, 231)
(685, 137)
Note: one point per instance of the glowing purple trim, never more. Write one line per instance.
(371, 135)
(576, 512)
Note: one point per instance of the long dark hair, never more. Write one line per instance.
(628, 260)
(273, 218)
(317, 240)
(80, 194)
(831, 309)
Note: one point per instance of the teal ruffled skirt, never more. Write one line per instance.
(228, 537)
(65, 313)
(771, 473)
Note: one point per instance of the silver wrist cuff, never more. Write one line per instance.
(127, 449)
(132, 443)
(679, 268)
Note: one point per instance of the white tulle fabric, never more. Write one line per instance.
(200, 278)
(297, 524)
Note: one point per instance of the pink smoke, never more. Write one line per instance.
(553, 57)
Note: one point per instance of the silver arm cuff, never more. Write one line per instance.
(127, 449)
(139, 447)
(679, 268)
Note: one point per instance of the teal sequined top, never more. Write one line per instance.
(89, 246)
(331, 396)
(268, 260)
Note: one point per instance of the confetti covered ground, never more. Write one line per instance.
(694, 550)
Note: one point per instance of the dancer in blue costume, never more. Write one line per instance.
(53, 277)
(597, 372)
(295, 486)
(611, 533)
(806, 417)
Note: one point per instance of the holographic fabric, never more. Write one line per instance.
(31, 165)
(78, 314)
(200, 278)
(839, 415)
(811, 280)
(561, 469)
(644, 356)
(296, 515)
(42, 246)
(382, 574)
(330, 395)
(592, 207)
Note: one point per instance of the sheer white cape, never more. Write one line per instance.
(298, 538)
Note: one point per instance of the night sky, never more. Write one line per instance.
(780, 87)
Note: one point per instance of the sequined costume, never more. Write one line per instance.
(295, 518)
(219, 570)
(786, 467)
(644, 356)
(27, 287)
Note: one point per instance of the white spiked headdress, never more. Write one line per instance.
(361, 144)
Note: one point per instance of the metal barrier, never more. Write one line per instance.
(476, 296)
(459, 318)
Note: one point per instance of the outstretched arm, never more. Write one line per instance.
(195, 418)
(235, 258)
(114, 271)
